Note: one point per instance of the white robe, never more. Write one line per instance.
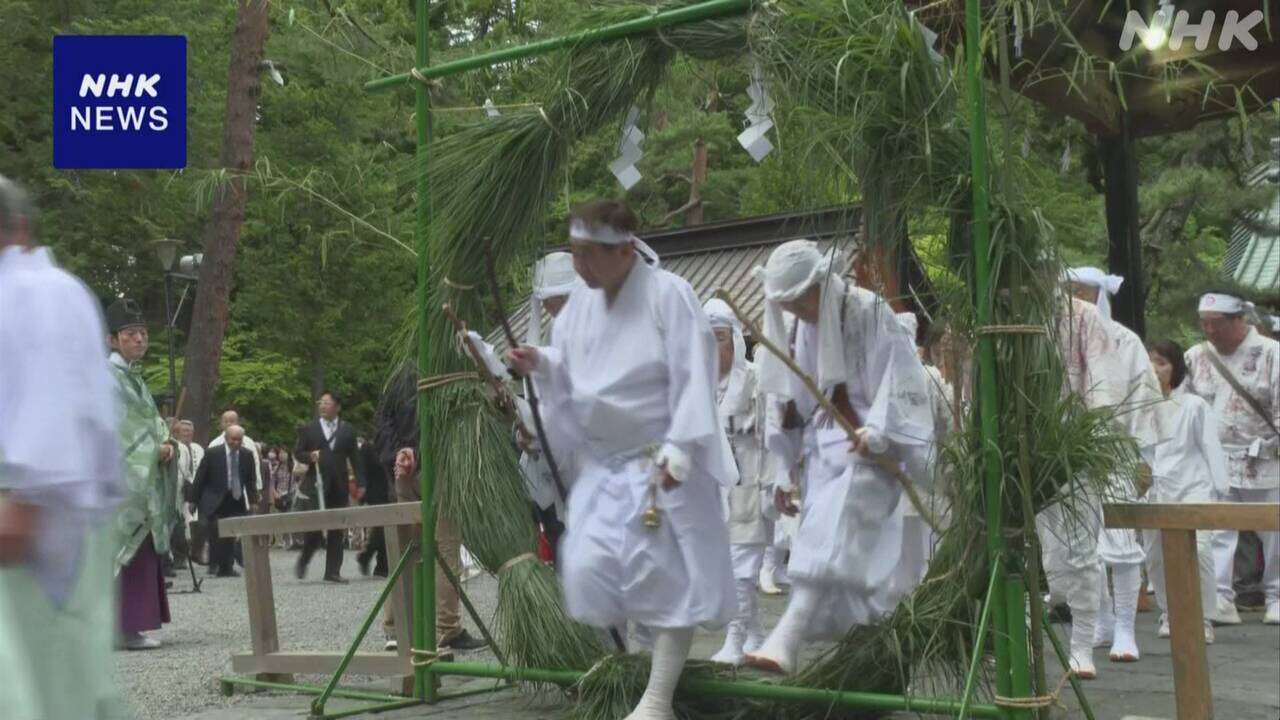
(59, 450)
(1129, 366)
(622, 386)
(918, 539)
(1253, 450)
(849, 540)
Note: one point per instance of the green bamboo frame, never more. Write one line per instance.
(1005, 594)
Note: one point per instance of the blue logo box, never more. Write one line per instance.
(119, 102)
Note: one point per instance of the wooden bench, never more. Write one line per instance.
(1178, 523)
(267, 661)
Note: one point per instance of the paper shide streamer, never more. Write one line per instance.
(623, 167)
(759, 115)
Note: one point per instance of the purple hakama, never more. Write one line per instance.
(143, 602)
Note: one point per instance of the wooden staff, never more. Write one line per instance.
(530, 394)
(845, 423)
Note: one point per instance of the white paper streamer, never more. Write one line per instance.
(623, 167)
(1065, 164)
(759, 118)
(490, 109)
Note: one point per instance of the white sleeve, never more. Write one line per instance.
(1206, 423)
(554, 387)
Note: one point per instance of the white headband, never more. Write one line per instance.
(579, 231)
(1226, 304)
(1107, 285)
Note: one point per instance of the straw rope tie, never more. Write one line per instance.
(516, 561)
(417, 75)
(1035, 702)
(1012, 330)
(428, 657)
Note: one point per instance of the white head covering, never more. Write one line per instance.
(909, 321)
(580, 231)
(793, 268)
(1223, 303)
(1107, 285)
(735, 400)
(553, 276)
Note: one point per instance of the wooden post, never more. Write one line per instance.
(262, 604)
(1186, 625)
(398, 538)
(1124, 246)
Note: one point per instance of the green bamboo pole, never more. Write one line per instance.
(453, 580)
(424, 586)
(1019, 658)
(317, 705)
(987, 399)
(304, 689)
(368, 709)
(679, 16)
(979, 640)
(739, 689)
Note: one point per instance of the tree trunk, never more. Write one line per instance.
(222, 234)
(694, 215)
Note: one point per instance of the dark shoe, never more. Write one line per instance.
(1060, 614)
(228, 573)
(336, 579)
(464, 641)
(300, 569)
(168, 584)
(363, 561)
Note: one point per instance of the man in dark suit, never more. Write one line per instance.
(328, 445)
(224, 487)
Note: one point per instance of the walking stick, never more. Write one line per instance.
(885, 464)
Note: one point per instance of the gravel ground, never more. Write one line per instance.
(180, 678)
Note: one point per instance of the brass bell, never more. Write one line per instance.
(650, 518)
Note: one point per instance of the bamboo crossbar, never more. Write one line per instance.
(647, 23)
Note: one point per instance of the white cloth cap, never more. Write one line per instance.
(553, 276)
(909, 321)
(792, 269)
(734, 401)
(1107, 285)
(1222, 303)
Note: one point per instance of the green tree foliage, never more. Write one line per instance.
(325, 270)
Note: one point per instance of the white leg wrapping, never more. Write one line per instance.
(768, 569)
(1083, 584)
(1127, 580)
(781, 649)
(1104, 629)
(736, 637)
(670, 650)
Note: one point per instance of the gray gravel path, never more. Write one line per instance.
(180, 678)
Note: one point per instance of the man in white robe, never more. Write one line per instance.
(1138, 401)
(60, 482)
(628, 385)
(848, 544)
(1249, 434)
(742, 411)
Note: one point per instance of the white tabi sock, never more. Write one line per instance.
(782, 647)
(1127, 580)
(1082, 585)
(768, 571)
(736, 637)
(670, 650)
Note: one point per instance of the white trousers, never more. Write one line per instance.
(1224, 549)
(1071, 563)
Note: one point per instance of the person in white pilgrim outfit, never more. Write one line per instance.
(1138, 401)
(1102, 374)
(628, 384)
(1190, 468)
(918, 538)
(750, 531)
(1247, 429)
(848, 544)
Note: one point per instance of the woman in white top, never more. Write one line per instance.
(1187, 469)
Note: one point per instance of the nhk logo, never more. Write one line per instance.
(1173, 27)
(119, 101)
